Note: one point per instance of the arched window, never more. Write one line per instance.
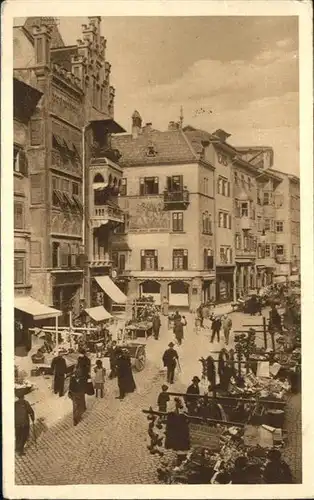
(98, 178)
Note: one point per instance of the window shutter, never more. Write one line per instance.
(228, 185)
(142, 260)
(35, 254)
(37, 191)
(142, 187)
(229, 221)
(18, 215)
(122, 262)
(64, 255)
(156, 185)
(181, 182)
(210, 262)
(169, 183)
(185, 259)
(23, 164)
(155, 259)
(218, 186)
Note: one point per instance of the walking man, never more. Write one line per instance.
(156, 326)
(59, 367)
(216, 325)
(170, 360)
(23, 412)
(226, 325)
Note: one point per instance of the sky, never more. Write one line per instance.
(235, 73)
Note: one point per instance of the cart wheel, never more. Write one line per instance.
(140, 361)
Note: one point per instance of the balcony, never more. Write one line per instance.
(174, 200)
(102, 214)
(266, 262)
(104, 261)
(246, 223)
(244, 254)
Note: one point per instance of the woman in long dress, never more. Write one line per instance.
(126, 381)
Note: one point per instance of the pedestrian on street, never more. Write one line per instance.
(192, 402)
(200, 315)
(226, 325)
(163, 399)
(274, 319)
(178, 328)
(206, 315)
(170, 359)
(114, 351)
(165, 306)
(84, 365)
(156, 326)
(59, 368)
(77, 389)
(23, 412)
(126, 381)
(99, 381)
(216, 326)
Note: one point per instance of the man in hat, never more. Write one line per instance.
(59, 367)
(23, 412)
(226, 325)
(170, 359)
(191, 402)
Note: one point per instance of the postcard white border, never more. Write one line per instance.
(303, 10)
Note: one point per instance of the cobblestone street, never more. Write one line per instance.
(110, 444)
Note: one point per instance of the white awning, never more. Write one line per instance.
(179, 299)
(98, 313)
(111, 289)
(280, 279)
(35, 308)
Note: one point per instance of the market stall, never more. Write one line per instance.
(143, 312)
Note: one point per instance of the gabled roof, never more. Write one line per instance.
(169, 147)
(56, 38)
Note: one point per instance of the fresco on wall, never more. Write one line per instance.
(148, 215)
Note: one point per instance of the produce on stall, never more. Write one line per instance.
(143, 312)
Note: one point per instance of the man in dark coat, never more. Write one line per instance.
(59, 367)
(114, 351)
(170, 359)
(84, 365)
(277, 471)
(216, 326)
(156, 326)
(191, 402)
(274, 319)
(23, 412)
(126, 382)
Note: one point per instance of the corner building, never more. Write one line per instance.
(166, 246)
(69, 134)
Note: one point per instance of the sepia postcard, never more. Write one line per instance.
(157, 249)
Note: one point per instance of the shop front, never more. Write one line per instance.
(66, 294)
(224, 284)
(29, 313)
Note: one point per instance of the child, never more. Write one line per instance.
(163, 399)
(99, 381)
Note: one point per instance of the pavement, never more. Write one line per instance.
(110, 445)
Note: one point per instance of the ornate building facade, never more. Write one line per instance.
(69, 132)
(201, 218)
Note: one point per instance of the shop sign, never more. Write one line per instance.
(73, 279)
(205, 436)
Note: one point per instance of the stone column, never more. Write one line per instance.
(164, 292)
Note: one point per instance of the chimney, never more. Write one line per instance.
(136, 124)
(147, 128)
(173, 126)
